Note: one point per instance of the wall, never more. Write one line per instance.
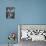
(6, 25)
(31, 11)
(27, 12)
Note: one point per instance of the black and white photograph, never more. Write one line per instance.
(10, 12)
(31, 34)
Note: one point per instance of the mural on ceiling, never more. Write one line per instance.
(10, 12)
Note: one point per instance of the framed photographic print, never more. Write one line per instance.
(32, 32)
(10, 12)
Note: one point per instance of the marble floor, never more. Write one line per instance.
(9, 45)
(34, 43)
(28, 43)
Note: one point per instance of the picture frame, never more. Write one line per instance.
(10, 12)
